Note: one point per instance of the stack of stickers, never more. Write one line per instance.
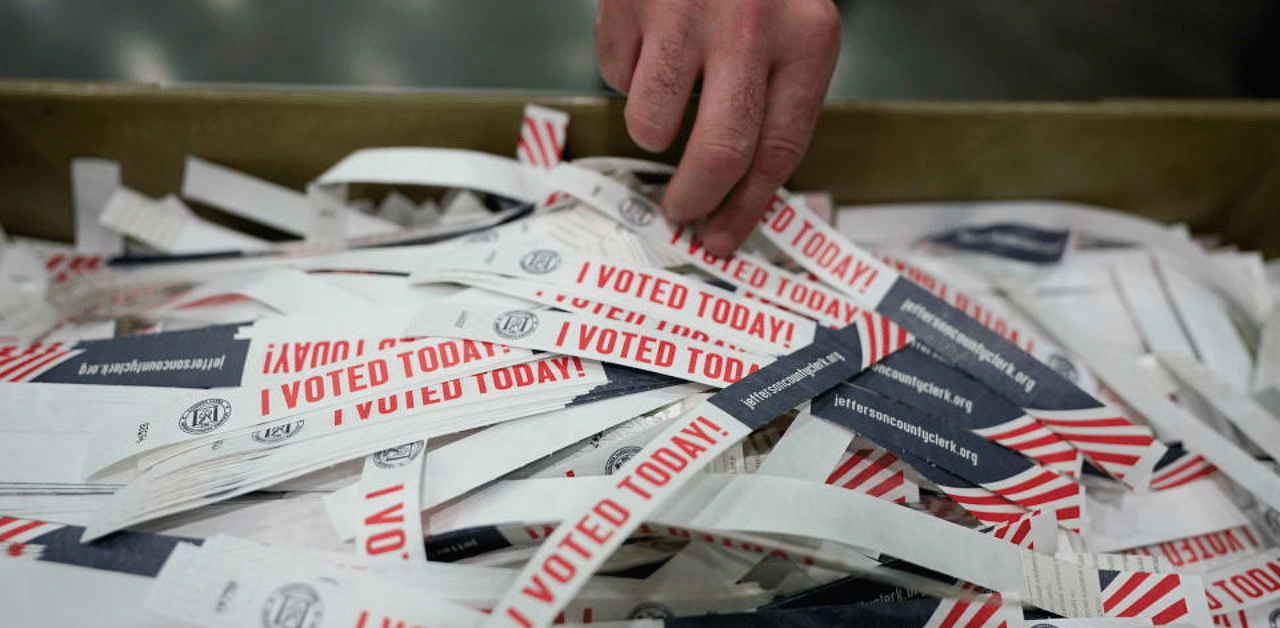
(533, 401)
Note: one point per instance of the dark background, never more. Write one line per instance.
(893, 49)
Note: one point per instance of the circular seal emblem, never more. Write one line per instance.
(278, 433)
(398, 456)
(1273, 618)
(293, 606)
(540, 262)
(1064, 367)
(650, 610)
(515, 324)
(619, 457)
(1271, 517)
(636, 212)
(205, 417)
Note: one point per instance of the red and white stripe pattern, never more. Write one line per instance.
(63, 266)
(1027, 436)
(542, 137)
(879, 337)
(1108, 439)
(22, 364)
(20, 531)
(1158, 597)
(1185, 469)
(1024, 530)
(875, 472)
(1104, 435)
(982, 612)
(972, 308)
(1038, 488)
(21, 550)
(984, 505)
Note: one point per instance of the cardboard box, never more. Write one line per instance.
(1212, 165)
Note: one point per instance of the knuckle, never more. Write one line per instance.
(670, 65)
(822, 25)
(754, 19)
(816, 22)
(663, 75)
(750, 99)
(728, 156)
(657, 90)
(777, 157)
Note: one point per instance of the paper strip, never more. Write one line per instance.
(653, 291)
(1254, 421)
(868, 282)
(93, 181)
(1244, 583)
(962, 453)
(1051, 214)
(463, 465)
(1206, 552)
(263, 201)
(218, 590)
(169, 226)
(542, 136)
(1209, 326)
(1168, 416)
(573, 334)
(560, 567)
(441, 167)
(388, 524)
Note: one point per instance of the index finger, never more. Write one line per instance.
(794, 102)
(723, 141)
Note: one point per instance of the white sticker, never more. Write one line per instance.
(657, 292)
(93, 181)
(542, 136)
(1171, 418)
(1254, 421)
(905, 222)
(441, 167)
(578, 335)
(265, 202)
(237, 464)
(462, 465)
(215, 588)
(1244, 583)
(374, 375)
(1208, 324)
(1205, 552)
(169, 226)
(388, 521)
(656, 473)
(1137, 519)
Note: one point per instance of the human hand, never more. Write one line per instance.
(765, 66)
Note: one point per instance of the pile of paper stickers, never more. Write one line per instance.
(534, 401)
